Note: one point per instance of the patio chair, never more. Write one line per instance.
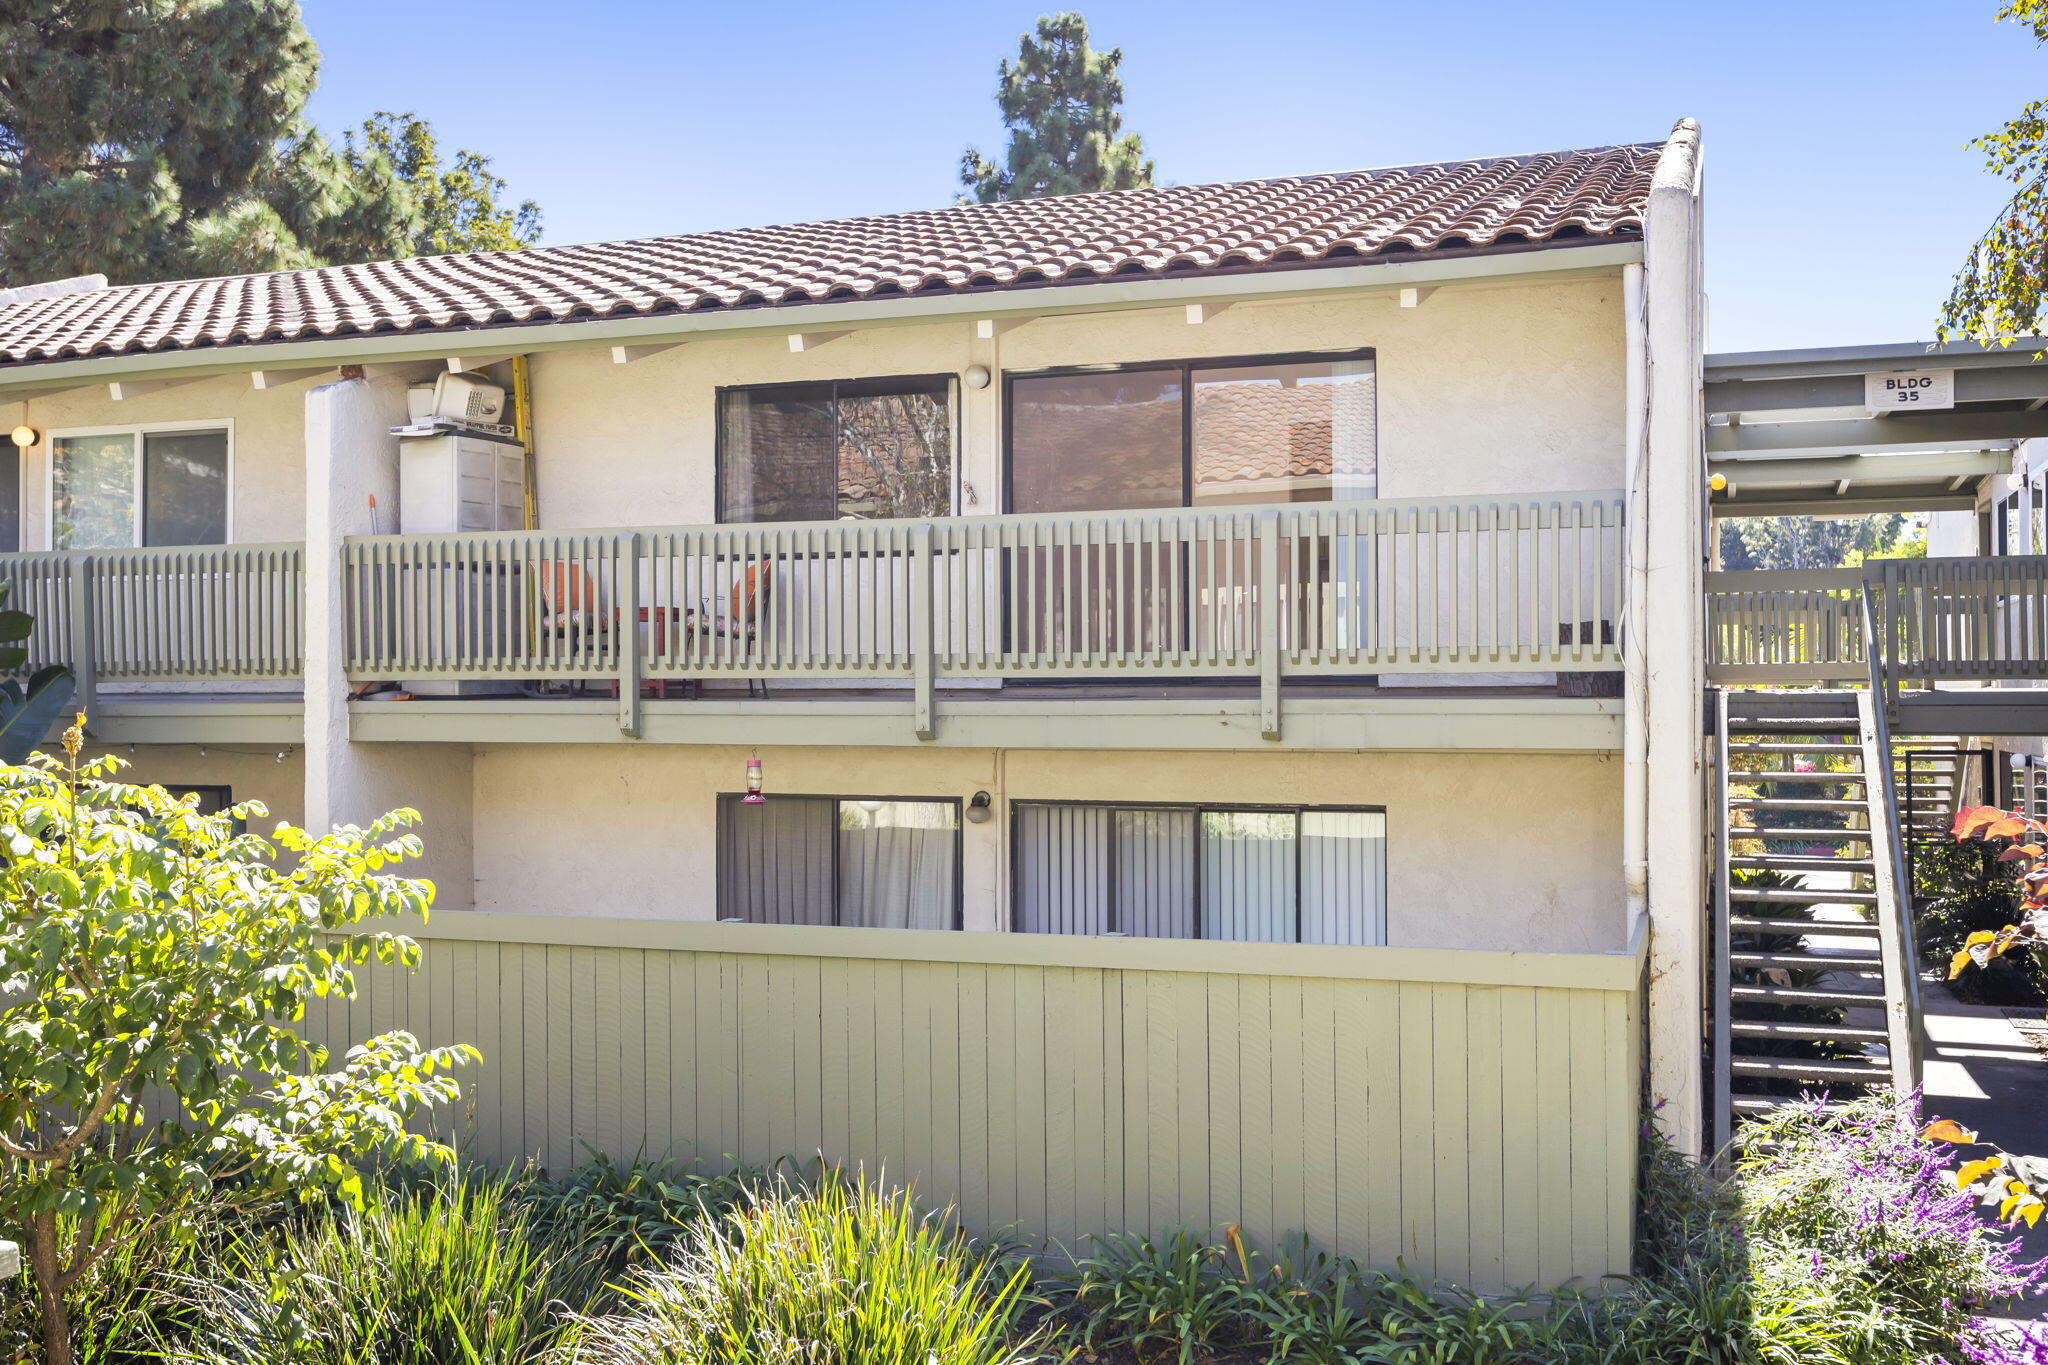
(572, 609)
(748, 602)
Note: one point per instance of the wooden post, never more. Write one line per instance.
(1268, 590)
(78, 592)
(922, 649)
(628, 634)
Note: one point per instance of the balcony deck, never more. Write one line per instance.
(1959, 645)
(1176, 628)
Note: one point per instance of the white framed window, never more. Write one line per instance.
(117, 488)
(1247, 874)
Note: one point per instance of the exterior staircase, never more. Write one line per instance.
(1807, 815)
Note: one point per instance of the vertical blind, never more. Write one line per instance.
(1265, 876)
(823, 860)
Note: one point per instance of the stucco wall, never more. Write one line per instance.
(1482, 389)
(251, 772)
(269, 480)
(1484, 851)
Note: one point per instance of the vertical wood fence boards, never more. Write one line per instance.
(1473, 1113)
(1785, 626)
(182, 613)
(1982, 619)
(1532, 584)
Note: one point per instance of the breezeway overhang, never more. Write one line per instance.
(1788, 433)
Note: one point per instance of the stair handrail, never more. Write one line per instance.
(1903, 1028)
(1723, 945)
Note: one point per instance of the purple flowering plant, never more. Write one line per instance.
(1844, 1204)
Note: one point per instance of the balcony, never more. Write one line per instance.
(1179, 627)
(1898, 624)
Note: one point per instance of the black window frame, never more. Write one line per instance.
(727, 800)
(1186, 367)
(720, 456)
(1199, 808)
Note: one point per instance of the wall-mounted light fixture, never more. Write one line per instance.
(25, 436)
(978, 807)
(870, 805)
(975, 376)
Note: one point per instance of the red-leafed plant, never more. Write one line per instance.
(2017, 1185)
(2026, 843)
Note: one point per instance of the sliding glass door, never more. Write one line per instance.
(1244, 875)
(1182, 435)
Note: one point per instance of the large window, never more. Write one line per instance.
(1200, 433)
(112, 490)
(879, 864)
(844, 450)
(1250, 875)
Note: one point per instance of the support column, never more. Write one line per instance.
(351, 457)
(1673, 633)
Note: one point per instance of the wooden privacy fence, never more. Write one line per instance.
(1531, 584)
(1474, 1113)
(205, 613)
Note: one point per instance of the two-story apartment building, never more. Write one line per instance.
(1221, 665)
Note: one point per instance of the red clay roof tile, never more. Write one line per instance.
(1294, 222)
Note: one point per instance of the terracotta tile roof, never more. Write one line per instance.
(1299, 221)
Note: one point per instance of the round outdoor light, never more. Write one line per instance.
(25, 436)
(870, 805)
(975, 376)
(978, 808)
(1719, 483)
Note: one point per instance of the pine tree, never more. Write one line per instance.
(163, 139)
(1061, 101)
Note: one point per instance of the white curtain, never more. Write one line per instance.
(897, 864)
(1343, 877)
(1248, 875)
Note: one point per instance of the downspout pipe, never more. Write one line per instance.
(1635, 734)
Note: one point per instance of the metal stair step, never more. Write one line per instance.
(1805, 995)
(1800, 862)
(1794, 803)
(1756, 1104)
(1860, 836)
(1766, 746)
(1802, 896)
(1772, 1028)
(1810, 1070)
(1751, 924)
(1807, 961)
(1790, 775)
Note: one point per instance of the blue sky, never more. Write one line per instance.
(1840, 192)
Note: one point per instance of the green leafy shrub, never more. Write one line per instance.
(122, 1313)
(155, 961)
(452, 1272)
(1179, 1294)
(843, 1272)
(627, 1213)
(1959, 890)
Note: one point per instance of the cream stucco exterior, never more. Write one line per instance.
(1485, 389)
(267, 501)
(1484, 851)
